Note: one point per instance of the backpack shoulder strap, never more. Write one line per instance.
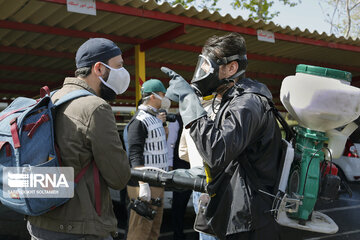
(288, 131)
(252, 175)
(71, 96)
(68, 97)
(249, 171)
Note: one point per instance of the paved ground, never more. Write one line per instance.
(345, 212)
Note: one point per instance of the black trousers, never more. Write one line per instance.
(179, 203)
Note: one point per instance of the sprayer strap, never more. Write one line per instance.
(244, 162)
(289, 132)
(254, 182)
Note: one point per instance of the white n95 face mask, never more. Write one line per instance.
(118, 80)
(165, 102)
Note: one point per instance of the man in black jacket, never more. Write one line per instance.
(241, 147)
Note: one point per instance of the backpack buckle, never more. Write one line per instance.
(13, 121)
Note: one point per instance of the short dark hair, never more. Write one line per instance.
(83, 72)
(217, 47)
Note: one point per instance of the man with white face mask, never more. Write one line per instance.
(116, 82)
(147, 147)
(86, 133)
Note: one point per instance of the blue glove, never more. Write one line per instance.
(180, 91)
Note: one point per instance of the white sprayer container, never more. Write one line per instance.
(320, 98)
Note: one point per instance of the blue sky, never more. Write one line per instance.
(308, 15)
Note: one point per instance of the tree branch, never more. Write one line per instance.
(355, 5)
(333, 15)
(348, 27)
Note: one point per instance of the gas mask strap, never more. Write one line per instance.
(226, 60)
(232, 78)
(215, 111)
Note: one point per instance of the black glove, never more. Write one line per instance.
(180, 91)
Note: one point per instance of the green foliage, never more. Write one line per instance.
(210, 5)
(259, 9)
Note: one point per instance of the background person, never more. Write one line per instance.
(189, 152)
(180, 198)
(147, 147)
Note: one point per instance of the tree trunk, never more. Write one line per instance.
(260, 12)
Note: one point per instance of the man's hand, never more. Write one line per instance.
(180, 91)
(162, 116)
(177, 85)
(144, 192)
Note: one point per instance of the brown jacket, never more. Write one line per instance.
(85, 130)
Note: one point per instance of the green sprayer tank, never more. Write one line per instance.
(321, 100)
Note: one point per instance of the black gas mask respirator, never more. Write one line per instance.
(206, 76)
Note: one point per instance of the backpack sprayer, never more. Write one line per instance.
(324, 104)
